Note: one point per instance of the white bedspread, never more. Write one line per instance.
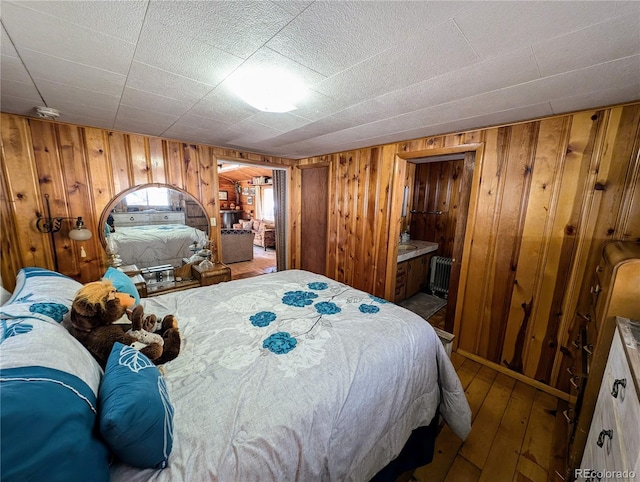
(338, 406)
(152, 245)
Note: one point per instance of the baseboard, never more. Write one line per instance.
(518, 376)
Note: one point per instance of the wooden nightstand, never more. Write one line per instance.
(219, 273)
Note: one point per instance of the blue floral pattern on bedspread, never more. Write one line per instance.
(280, 343)
(262, 319)
(298, 298)
(290, 325)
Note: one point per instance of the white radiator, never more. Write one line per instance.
(440, 275)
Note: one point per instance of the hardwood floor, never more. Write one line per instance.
(264, 261)
(518, 433)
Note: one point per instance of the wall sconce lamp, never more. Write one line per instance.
(52, 225)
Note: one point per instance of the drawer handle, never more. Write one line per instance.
(586, 317)
(601, 439)
(596, 289)
(574, 381)
(588, 348)
(616, 384)
(568, 415)
(166, 217)
(132, 218)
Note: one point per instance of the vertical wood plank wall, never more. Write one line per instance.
(82, 169)
(551, 193)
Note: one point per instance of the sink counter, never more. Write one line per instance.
(415, 248)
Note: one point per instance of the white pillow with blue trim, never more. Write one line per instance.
(48, 392)
(47, 292)
(136, 415)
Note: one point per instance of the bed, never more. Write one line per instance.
(289, 376)
(151, 245)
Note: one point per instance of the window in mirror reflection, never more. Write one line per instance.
(158, 197)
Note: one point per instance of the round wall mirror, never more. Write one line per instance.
(153, 225)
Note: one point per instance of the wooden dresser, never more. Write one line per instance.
(612, 451)
(615, 291)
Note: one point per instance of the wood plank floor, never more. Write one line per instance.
(264, 261)
(517, 432)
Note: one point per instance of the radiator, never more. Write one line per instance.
(440, 275)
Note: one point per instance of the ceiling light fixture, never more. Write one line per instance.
(268, 90)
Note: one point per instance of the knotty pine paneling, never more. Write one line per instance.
(547, 196)
(82, 169)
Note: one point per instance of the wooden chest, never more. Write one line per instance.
(219, 273)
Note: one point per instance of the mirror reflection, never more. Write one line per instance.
(152, 226)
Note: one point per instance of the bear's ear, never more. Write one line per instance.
(86, 309)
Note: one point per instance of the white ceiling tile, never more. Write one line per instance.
(223, 105)
(18, 89)
(332, 36)
(56, 37)
(398, 70)
(134, 114)
(622, 72)
(599, 43)
(123, 123)
(292, 6)
(157, 103)
(85, 120)
(17, 105)
(283, 122)
(13, 69)
(194, 134)
(600, 98)
(6, 46)
(173, 51)
(238, 27)
(80, 110)
(150, 79)
(56, 93)
(193, 121)
(431, 53)
(495, 27)
(54, 69)
(627, 8)
(118, 19)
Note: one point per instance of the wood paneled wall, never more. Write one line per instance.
(547, 196)
(82, 169)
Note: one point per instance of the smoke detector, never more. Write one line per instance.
(47, 113)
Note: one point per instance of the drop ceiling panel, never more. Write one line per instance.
(184, 55)
(376, 72)
(239, 27)
(157, 81)
(56, 37)
(122, 20)
(514, 25)
(613, 39)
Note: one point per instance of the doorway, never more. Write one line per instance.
(438, 212)
(257, 197)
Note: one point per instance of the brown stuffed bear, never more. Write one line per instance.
(97, 306)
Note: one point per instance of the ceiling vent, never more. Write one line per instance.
(47, 113)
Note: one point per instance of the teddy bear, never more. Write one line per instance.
(95, 313)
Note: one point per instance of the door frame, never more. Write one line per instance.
(399, 169)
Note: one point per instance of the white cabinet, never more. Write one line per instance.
(612, 451)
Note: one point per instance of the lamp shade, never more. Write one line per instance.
(80, 232)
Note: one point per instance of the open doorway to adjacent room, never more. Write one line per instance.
(252, 218)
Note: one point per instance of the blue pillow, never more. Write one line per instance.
(48, 394)
(122, 283)
(136, 416)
